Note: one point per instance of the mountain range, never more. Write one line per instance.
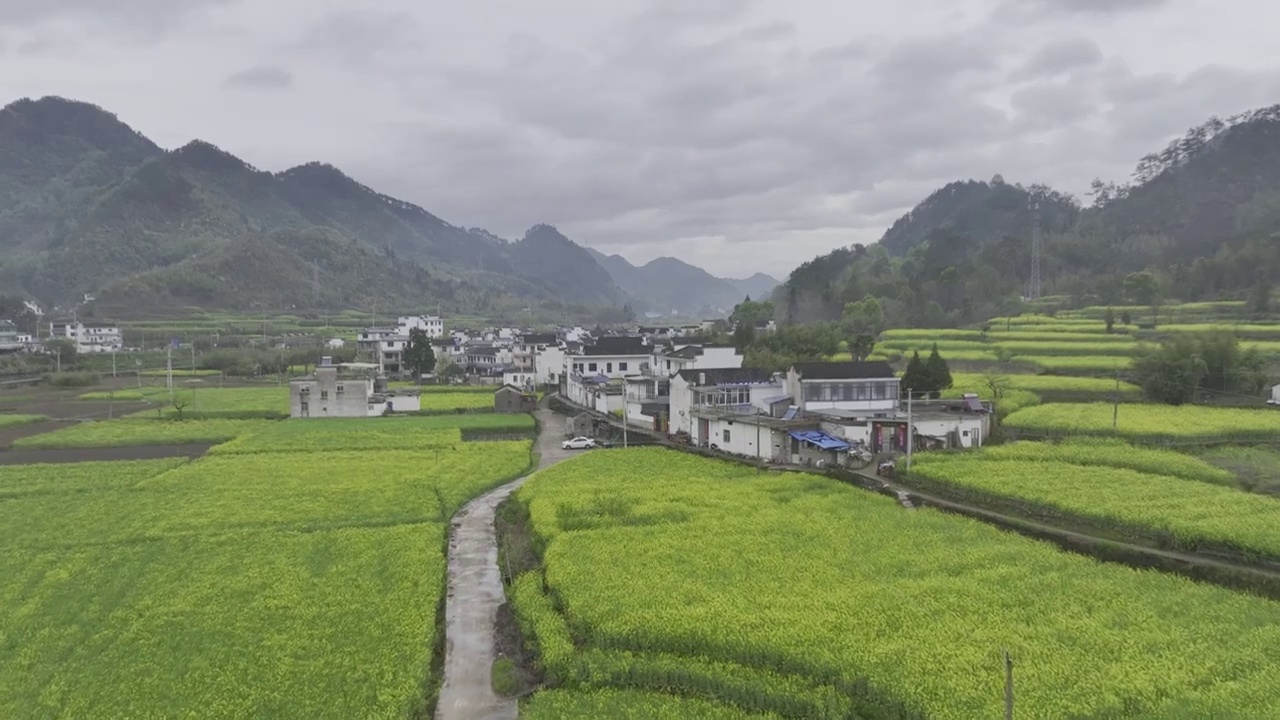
(90, 206)
(1202, 216)
(666, 284)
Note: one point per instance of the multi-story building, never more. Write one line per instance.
(10, 341)
(88, 338)
(614, 356)
(345, 390)
(384, 347)
(432, 325)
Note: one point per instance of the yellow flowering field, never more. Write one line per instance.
(797, 594)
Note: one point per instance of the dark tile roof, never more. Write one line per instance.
(726, 376)
(538, 339)
(844, 370)
(617, 345)
(688, 352)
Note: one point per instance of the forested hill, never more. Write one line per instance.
(88, 205)
(1202, 215)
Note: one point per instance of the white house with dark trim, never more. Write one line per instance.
(857, 387)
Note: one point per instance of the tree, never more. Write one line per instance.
(419, 356)
(448, 371)
(1125, 318)
(914, 378)
(1172, 372)
(1260, 297)
(1143, 288)
(1110, 319)
(751, 312)
(997, 382)
(862, 322)
(744, 336)
(1228, 368)
(936, 371)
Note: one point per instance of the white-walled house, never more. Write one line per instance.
(614, 356)
(844, 386)
(88, 338)
(737, 391)
(668, 361)
(432, 325)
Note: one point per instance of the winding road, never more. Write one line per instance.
(475, 594)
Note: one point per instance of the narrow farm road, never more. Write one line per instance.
(475, 594)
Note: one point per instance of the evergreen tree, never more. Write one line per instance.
(913, 378)
(936, 372)
(1109, 319)
(1260, 298)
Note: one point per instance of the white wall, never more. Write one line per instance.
(681, 406)
(749, 440)
(405, 403)
(604, 363)
(718, 357)
(549, 365)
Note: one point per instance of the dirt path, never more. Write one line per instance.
(475, 593)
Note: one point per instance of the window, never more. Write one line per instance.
(339, 389)
(862, 391)
(668, 364)
(305, 390)
(608, 367)
(726, 435)
(324, 394)
(591, 367)
(826, 391)
(880, 390)
(622, 367)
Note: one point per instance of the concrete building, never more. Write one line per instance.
(614, 356)
(724, 391)
(669, 360)
(432, 325)
(345, 390)
(10, 340)
(88, 338)
(511, 399)
(843, 386)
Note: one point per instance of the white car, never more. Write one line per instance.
(578, 443)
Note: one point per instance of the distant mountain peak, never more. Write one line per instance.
(204, 155)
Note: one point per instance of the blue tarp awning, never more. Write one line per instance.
(820, 439)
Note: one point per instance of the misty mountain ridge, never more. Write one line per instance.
(666, 283)
(88, 205)
(1203, 215)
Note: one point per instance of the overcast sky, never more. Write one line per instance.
(737, 135)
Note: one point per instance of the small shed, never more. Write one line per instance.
(580, 425)
(511, 399)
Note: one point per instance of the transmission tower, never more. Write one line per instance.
(1033, 292)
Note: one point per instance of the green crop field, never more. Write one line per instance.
(267, 401)
(1048, 347)
(800, 595)
(1189, 514)
(390, 433)
(1150, 422)
(1096, 364)
(628, 705)
(15, 420)
(445, 401)
(1051, 387)
(140, 431)
(264, 585)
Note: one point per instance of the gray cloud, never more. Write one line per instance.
(1027, 8)
(1061, 56)
(140, 14)
(261, 77)
(740, 135)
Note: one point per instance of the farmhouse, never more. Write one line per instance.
(512, 399)
(345, 390)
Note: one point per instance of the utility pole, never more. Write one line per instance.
(169, 370)
(910, 433)
(1033, 292)
(1115, 404)
(1008, 686)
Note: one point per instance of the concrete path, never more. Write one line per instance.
(475, 593)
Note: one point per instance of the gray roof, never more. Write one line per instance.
(877, 369)
(617, 345)
(726, 376)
